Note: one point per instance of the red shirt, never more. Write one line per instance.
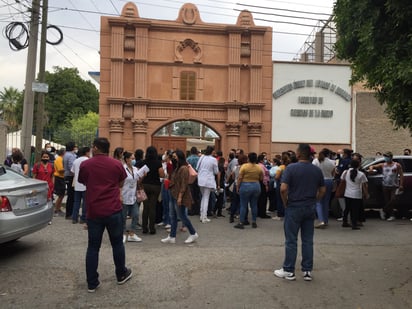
(45, 172)
(102, 176)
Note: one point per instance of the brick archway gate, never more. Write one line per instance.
(154, 72)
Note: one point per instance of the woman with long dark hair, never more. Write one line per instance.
(152, 186)
(181, 198)
(356, 188)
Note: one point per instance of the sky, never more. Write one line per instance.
(292, 24)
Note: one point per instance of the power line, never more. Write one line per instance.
(286, 10)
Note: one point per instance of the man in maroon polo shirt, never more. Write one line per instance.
(103, 177)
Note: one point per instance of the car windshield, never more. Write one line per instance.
(367, 161)
(9, 174)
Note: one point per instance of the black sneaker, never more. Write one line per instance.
(239, 226)
(254, 225)
(125, 277)
(92, 290)
(307, 276)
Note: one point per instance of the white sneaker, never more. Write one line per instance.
(168, 240)
(382, 214)
(284, 274)
(339, 219)
(168, 226)
(160, 224)
(391, 218)
(124, 238)
(206, 220)
(134, 238)
(191, 238)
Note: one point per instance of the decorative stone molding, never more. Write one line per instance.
(140, 125)
(233, 128)
(116, 125)
(130, 10)
(180, 46)
(255, 128)
(128, 110)
(189, 14)
(245, 18)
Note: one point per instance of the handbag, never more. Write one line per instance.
(192, 174)
(340, 190)
(141, 195)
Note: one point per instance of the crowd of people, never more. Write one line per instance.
(104, 191)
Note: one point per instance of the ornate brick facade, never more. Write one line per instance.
(142, 62)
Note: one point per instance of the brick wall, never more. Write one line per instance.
(374, 131)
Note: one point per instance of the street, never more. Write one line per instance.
(226, 268)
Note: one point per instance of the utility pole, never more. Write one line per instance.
(28, 105)
(42, 70)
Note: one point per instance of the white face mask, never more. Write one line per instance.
(75, 151)
(48, 149)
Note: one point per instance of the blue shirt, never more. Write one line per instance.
(303, 180)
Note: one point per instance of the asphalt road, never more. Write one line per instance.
(226, 268)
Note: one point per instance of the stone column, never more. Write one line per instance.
(254, 136)
(140, 133)
(232, 134)
(116, 132)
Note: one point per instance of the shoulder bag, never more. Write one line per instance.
(340, 190)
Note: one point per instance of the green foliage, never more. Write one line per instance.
(68, 95)
(80, 129)
(376, 38)
(11, 106)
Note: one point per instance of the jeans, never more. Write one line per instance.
(70, 195)
(95, 229)
(249, 193)
(279, 203)
(299, 218)
(179, 211)
(134, 213)
(235, 203)
(322, 207)
(79, 197)
(165, 205)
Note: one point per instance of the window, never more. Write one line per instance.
(187, 85)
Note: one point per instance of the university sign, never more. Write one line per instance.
(312, 104)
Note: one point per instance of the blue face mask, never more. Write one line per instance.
(387, 159)
(133, 162)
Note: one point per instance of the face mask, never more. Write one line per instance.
(44, 160)
(48, 149)
(75, 151)
(174, 161)
(133, 162)
(387, 159)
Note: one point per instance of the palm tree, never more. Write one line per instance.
(9, 101)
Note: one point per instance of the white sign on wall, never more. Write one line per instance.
(311, 103)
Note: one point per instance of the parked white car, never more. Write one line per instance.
(24, 208)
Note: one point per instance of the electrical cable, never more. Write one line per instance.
(18, 35)
(60, 33)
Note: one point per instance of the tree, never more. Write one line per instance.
(376, 38)
(81, 129)
(69, 96)
(11, 102)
